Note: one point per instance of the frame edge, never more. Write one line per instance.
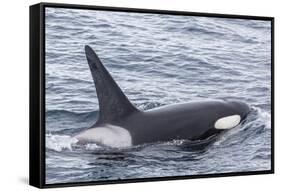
(35, 166)
(36, 75)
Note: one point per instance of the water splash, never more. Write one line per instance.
(60, 142)
(92, 146)
(263, 117)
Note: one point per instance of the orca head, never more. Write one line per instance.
(239, 112)
(240, 108)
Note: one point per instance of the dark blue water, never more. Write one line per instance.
(156, 60)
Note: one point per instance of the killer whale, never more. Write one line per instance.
(121, 124)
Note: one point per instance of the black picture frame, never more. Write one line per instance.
(37, 94)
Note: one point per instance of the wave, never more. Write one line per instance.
(263, 117)
(60, 142)
(204, 31)
(73, 115)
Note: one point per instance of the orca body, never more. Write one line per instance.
(121, 124)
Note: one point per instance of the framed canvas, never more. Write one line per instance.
(129, 95)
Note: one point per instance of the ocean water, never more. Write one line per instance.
(156, 60)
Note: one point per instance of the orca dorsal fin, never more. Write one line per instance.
(113, 103)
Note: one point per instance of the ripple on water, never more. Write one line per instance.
(157, 60)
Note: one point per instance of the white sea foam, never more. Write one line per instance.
(263, 117)
(92, 146)
(175, 142)
(60, 142)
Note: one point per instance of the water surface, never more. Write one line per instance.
(157, 60)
